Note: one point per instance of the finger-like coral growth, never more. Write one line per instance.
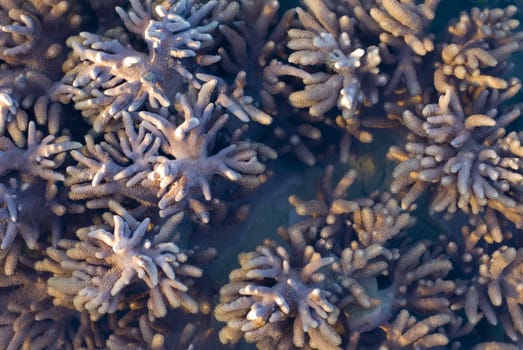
(32, 49)
(334, 67)
(299, 299)
(278, 298)
(496, 293)
(334, 221)
(408, 332)
(404, 39)
(477, 52)
(356, 271)
(417, 285)
(167, 158)
(40, 157)
(252, 33)
(135, 336)
(30, 170)
(114, 168)
(110, 76)
(364, 281)
(25, 97)
(115, 256)
(33, 33)
(338, 52)
(407, 21)
(466, 153)
(189, 141)
(31, 321)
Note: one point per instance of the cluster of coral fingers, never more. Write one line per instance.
(133, 133)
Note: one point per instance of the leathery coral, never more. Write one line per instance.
(167, 158)
(344, 74)
(112, 77)
(40, 324)
(470, 158)
(333, 221)
(277, 299)
(334, 299)
(112, 260)
(141, 140)
(495, 293)
(478, 48)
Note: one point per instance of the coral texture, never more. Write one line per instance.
(145, 143)
(468, 154)
(278, 301)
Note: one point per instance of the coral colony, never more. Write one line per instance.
(130, 129)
